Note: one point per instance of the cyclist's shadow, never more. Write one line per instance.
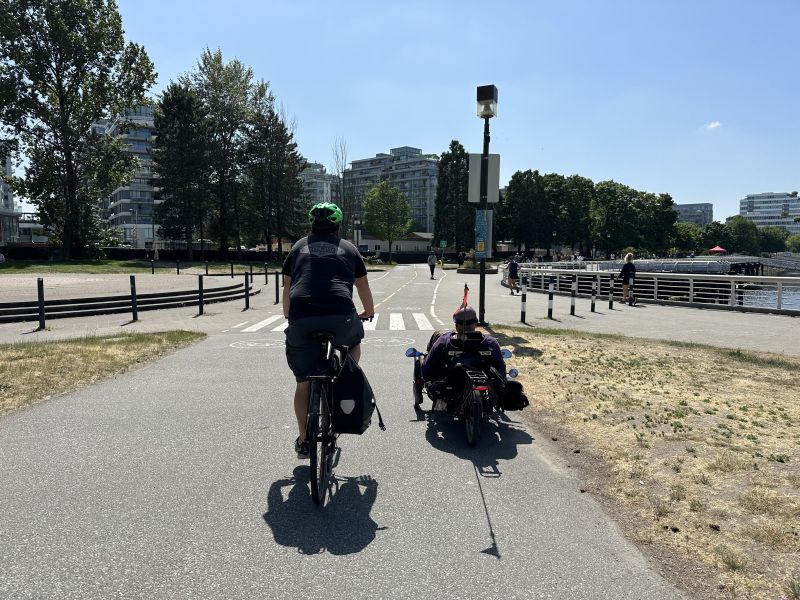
(342, 526)
(499, 440)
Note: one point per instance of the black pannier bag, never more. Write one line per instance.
(353, 400)
(514, 398)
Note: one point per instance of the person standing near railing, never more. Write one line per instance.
(628, 275)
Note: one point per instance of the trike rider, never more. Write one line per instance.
(436, 366)
(319, 273)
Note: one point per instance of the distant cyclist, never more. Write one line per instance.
(319, 274)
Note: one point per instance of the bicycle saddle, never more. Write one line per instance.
(322, 335)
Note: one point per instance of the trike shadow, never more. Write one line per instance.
(499, 440)
(342, 526)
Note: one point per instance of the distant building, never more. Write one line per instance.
(701, 214)
(409, 170)
(6, 195)
(31, 231)
(130, 208)
(771, 208)
(319, 185)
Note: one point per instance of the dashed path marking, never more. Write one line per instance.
(262, 324)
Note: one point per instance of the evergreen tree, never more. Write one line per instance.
(64, 66)
(454, 216)
(180, 159)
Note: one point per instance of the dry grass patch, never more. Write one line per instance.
(35, 371)
(696, 449)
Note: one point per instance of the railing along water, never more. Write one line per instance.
(730, 292)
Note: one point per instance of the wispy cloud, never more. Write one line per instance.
(712, 125)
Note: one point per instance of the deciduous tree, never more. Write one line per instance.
(64, 66)
(386, 213)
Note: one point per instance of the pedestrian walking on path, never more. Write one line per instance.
(628, 275)
(432, 263)
(513, 275)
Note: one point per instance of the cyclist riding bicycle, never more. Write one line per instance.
(319, 274)
(465, 343)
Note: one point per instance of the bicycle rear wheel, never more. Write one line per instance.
(473, 413)
(314, 435)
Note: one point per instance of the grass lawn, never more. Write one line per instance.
(35, 371)
(125, 266)
(695, 450)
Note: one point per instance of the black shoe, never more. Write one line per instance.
(302, 448)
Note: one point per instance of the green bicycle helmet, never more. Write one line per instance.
(325, 211)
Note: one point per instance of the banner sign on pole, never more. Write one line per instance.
(481, 230)
(493, 180)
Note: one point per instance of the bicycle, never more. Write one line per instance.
(323, 449)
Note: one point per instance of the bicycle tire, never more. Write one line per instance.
(417, 394)
(473, 414)
(314, 437)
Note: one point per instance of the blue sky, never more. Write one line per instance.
(694, 98)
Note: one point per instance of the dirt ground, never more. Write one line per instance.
(694, 450)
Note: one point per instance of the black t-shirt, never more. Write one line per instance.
(628, 272)
(322, 268)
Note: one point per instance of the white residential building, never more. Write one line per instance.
(779, 209)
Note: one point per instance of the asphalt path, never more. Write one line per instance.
(178, 480)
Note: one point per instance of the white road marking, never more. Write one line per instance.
(433, 300)
(240, 324)
(396, 322)
(397, 290)
(262, 324)
(370, 325)
(282, 326)
(422, 322)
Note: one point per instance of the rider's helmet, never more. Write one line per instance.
(465, 316)
(325, 213)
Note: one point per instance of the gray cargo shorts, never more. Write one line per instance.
(302, 353)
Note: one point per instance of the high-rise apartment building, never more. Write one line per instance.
(409, 170)
(130, 208)
(319, 185)
(771, 208)
(700, 214)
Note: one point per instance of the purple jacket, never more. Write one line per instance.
(435, 364)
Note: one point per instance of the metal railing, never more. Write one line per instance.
(729, 292)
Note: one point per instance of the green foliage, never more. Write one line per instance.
(687, 237)
(530, 220)
(386, 213)
(716, 234)
(772, 239)
(793, 243)
(454, 217)
(181, 160)
(63, 67)
(744, 235)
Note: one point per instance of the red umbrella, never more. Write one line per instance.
(717, 249)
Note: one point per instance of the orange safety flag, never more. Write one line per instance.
(466, 293)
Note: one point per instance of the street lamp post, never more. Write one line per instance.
(487, 108)
(357, 231)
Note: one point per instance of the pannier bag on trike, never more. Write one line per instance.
(513, 397)
(353, 400)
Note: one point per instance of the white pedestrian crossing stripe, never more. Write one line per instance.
(262, 324)
(422, 322)
(396, 322)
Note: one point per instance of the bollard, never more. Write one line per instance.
(246, 290)
(206, 267)
(572, 299)
(134, 307)
(550, 299)
(266, 275)
(594, 292)
(200, 297)
(231, 270)
(277, 287)
(40, 291)
(178, 267)
(524, 300)
(251, 271)
(611, 293)
(152, 267)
